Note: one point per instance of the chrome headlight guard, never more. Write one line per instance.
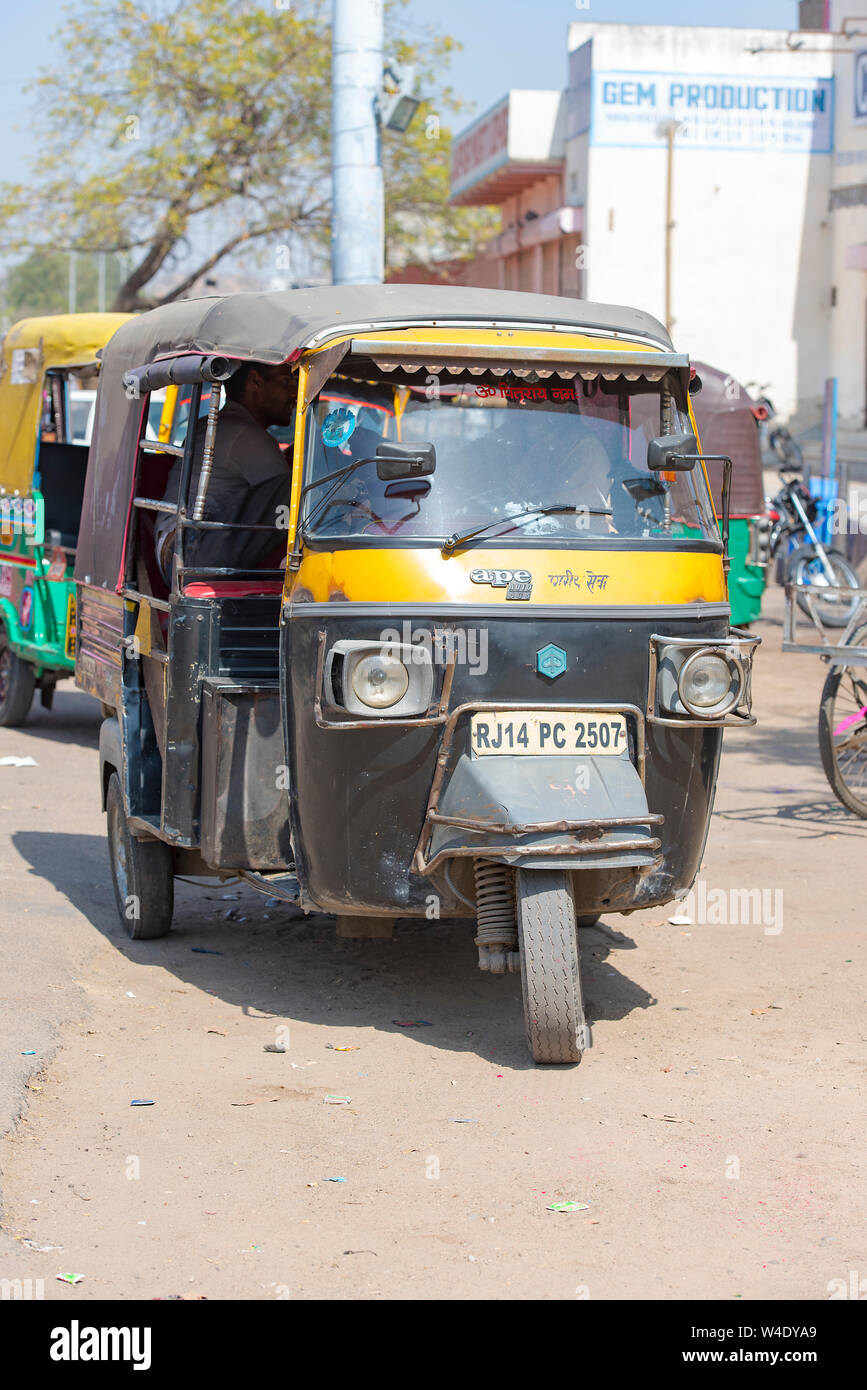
(670, 656)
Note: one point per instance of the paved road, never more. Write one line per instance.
(751, 1038)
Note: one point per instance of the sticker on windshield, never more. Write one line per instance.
(338, 426)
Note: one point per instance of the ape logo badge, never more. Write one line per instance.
(518, 584)
(551, 661)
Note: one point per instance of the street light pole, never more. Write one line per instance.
(357, 232)
(670, 129)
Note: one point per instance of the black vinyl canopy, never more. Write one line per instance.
(726, 424)
(277, 327)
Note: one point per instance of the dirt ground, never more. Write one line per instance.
(452, 1144)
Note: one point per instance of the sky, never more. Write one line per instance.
(507, 43)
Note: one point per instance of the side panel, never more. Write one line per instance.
(245, 805)
(36, 611)
(98, 658)
(229, 640)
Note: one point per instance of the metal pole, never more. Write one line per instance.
(357, 237)
(73, 269)
(208, 451)
(101, 282)
(669, 197)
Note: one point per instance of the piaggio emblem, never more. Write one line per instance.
(551, 661)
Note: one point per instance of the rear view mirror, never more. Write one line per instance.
(407, 490)
(642, 489)
(672, 453)
(394, 461)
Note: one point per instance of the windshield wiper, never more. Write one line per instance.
(454, 541)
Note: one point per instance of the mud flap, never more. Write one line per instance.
(507, 796)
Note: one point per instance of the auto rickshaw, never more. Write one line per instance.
(727, 424)
(47, 378)
(492, 678)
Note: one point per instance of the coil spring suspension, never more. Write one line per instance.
(497, 938)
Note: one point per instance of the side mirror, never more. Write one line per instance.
(672, 453)
(395, 461)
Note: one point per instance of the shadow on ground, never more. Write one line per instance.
(75, 718)
(272, 961)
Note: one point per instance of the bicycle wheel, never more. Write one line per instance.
(833, 608)
(843, 731)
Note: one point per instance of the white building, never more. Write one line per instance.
(848, 213)
(762, 268)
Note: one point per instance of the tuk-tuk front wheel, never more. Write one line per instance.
(17, 683)
(144, 887)
(550, 974)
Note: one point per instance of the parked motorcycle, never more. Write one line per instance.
(800, 556)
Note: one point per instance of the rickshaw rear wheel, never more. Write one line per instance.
(141, 870)
(550, 972)
(17, 684)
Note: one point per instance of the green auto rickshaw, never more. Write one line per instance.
(48, 373)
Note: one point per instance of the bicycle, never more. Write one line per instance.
(843, 729)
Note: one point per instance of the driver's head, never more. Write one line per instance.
(591, 467)
(268, 392)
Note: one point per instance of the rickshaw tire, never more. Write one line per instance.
(20, 685)
(550, 973)
(147, 906)
(826, 739)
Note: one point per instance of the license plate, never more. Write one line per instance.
(548, 731)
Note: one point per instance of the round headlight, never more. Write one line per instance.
(380, 681)
(709, 685)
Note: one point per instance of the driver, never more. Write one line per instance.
(250, 478)
(590, 467)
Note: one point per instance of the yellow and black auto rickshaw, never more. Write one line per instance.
(48, 370)
(491, 680)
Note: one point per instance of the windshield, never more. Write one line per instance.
(501, 452)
